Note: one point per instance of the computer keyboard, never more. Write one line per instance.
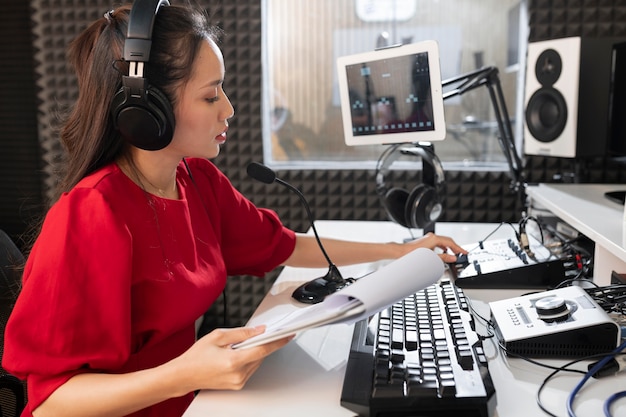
(419, 357)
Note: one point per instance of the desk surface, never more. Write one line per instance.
(305, 377)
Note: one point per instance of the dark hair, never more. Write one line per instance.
(88, 135)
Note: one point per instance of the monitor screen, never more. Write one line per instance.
(392, 95)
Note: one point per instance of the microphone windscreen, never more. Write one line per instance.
(261, 173)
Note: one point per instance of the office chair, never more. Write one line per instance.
(12, 390)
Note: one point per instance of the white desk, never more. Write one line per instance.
(585, 208)
(305, 377)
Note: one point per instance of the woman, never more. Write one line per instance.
(140, 242)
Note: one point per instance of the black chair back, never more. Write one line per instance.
(12, 390)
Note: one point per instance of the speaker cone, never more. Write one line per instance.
(546, 114)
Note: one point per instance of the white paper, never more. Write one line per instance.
(367, 296)
(394, 282)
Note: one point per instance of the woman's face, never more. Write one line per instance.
(202, 109)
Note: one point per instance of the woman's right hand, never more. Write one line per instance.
(211, 363)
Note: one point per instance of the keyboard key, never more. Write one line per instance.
(423, 389)
(388, 391)
(397, 338)
(411, 340)
(465, 358)
(397, 356)
(439, 334)
(447, 388)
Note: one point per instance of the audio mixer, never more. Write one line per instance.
(502, 263)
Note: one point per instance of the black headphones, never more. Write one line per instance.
(141, 113)
(421, 206)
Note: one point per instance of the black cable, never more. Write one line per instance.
(545, 382)
(487, 323)
(480, 242)
(556, 371)
(596, 367)
(612, 298)
(571, 281)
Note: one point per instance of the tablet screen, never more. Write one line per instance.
(392, 95)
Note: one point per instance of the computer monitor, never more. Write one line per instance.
(392, 95)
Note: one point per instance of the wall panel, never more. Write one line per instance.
(47, 84)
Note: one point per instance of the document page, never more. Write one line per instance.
(364, 298)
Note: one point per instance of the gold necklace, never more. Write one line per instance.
(149, 198)
(138, 176)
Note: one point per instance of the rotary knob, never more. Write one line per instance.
(552, 308)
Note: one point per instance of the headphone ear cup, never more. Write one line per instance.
(394, 202)
(145, 121)
(422, 207)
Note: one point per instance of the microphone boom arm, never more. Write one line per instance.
(488, 76)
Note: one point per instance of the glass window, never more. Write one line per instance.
(303, 38)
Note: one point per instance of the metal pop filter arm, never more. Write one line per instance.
(488, 76)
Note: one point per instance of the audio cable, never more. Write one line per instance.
(522, 235)
(609, 402)
(593, 371)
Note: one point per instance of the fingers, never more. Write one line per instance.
(448, 244)
(266, 349)
(228, 337)
(445, 243)
(447, 257)
(222, 366)
(449, 248)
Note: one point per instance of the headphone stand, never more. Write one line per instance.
(428, 178)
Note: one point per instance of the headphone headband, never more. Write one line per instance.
(139, 34)
(422, 206)
(393, 153)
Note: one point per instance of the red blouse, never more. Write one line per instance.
(118, 277)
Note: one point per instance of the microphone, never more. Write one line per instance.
(314, 291)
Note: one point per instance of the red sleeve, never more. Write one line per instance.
(253, 240)
(78, 276)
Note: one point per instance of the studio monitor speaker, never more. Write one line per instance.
(574, 87)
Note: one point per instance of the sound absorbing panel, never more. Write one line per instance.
(20, 187)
